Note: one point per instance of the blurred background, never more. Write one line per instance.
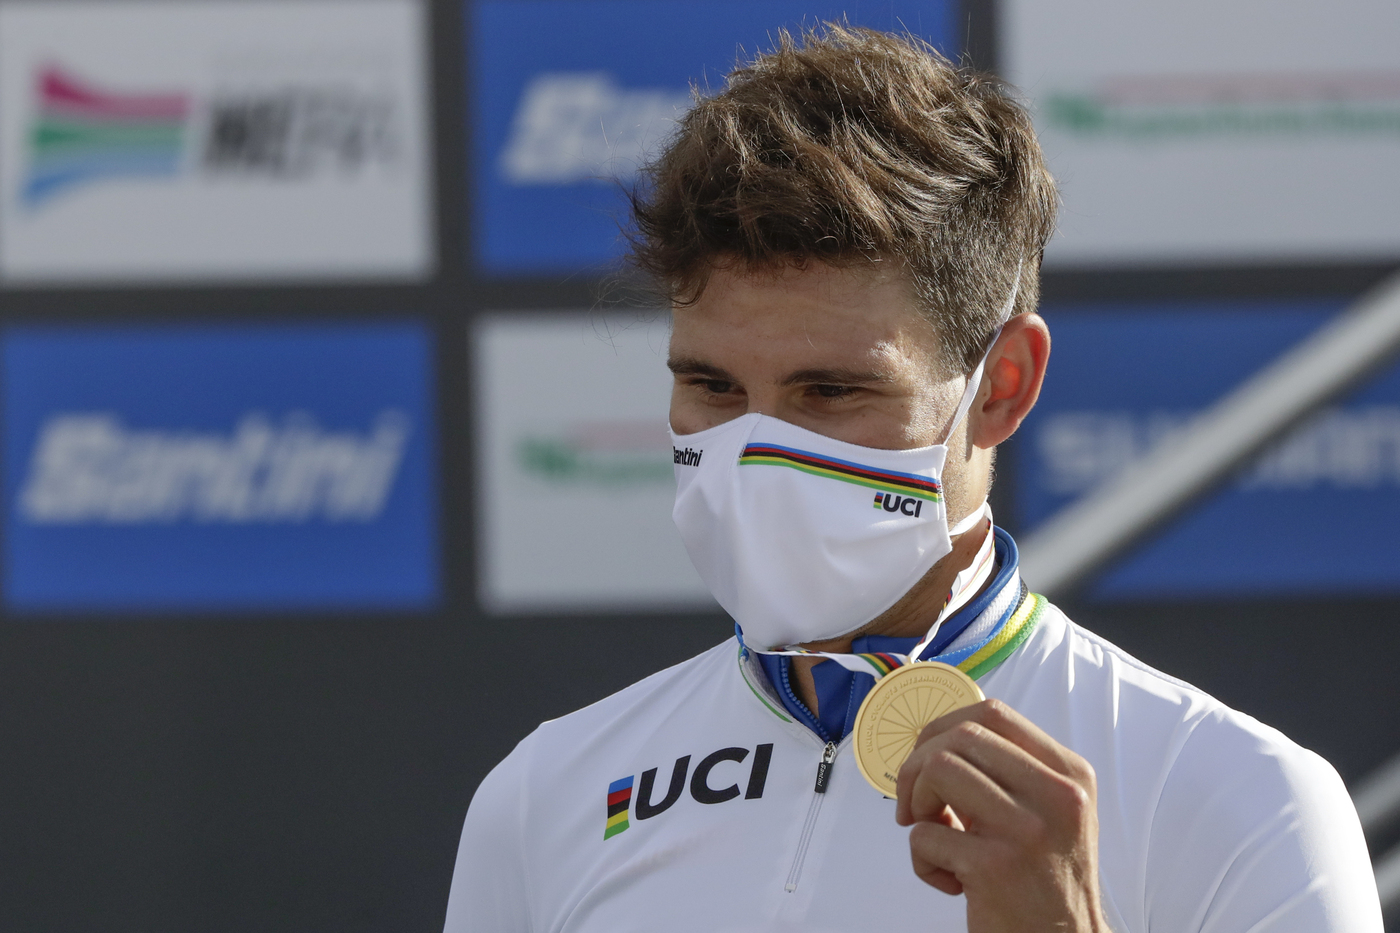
(329, 469)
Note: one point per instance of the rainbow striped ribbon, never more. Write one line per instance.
(973, 660)
(976, 661)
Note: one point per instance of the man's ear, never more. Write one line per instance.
(1011, 381)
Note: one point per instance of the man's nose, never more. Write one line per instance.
(764, 402)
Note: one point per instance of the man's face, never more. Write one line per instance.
(841, 352)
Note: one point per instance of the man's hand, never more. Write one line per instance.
(1006, 815)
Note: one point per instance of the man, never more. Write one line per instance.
(851, 232)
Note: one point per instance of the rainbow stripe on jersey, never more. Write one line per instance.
(909, 484)
(619, 802)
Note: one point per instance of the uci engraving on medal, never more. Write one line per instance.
(896, 710)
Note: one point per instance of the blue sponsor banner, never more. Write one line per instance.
(219, 468)
(569, 95)
(1314, 513)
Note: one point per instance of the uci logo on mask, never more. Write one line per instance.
(904, 505)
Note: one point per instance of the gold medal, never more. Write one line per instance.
(896, 710)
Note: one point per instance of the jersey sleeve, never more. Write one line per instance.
(489, 891)
(1253, 834)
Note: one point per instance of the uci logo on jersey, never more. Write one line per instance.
(702, 787)
(686, 457)
(905, 505)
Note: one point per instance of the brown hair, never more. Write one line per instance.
(850, 145)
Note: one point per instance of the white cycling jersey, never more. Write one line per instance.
(686, 803)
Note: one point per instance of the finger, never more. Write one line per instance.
(939, 777)
(960, 739)
(986, 716)
(1025, 779)
(931, 806)
(944, 815)
(941, 856)
(1004, 721)
(904, 796)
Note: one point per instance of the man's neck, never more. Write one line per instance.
(911, 617)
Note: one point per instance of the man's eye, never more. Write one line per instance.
(716, 387)
(826, 391)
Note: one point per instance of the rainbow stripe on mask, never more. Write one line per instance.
(908, 484)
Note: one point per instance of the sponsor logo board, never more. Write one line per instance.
(149, 140)
(1312, 513)
(219, 468)
(1201, 132)
(577, 472)
(570, 97)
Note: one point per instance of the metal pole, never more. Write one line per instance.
(1377, 796)
(1083, 536)
(1388, 879)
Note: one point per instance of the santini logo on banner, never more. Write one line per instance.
(235, 468)
(572, 97)
(584, 127)
(91, 468)
(1312, 513)
(1340, 448)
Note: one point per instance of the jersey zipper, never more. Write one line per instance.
(818, 795)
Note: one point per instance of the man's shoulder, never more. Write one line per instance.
(1066, 662)
(1088, 686)
(1190, 791)
(655, 692)
(1153, 737)
(638, 710)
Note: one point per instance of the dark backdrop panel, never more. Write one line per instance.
(277, 775)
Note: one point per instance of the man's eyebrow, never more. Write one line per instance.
(837, 377)
(690, 366)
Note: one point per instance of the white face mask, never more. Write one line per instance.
(801, 537)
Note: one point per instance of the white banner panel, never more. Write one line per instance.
(1209, 131)
(221, 140)
(576, 479)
